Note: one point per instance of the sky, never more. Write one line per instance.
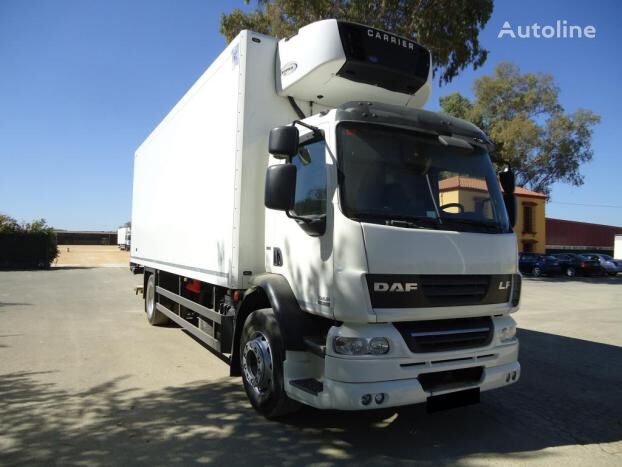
(83, 83)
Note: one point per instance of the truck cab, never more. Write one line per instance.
(370, 233)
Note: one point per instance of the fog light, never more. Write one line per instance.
(379, 398)
(366, 399)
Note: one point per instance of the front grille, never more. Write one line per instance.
(446, 334)
(425, 291)
(454, 290)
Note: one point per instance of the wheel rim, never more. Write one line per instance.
(257, 363)
(570, 272)
(150, 299)
(536, 271)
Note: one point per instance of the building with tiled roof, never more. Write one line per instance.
(530, 225)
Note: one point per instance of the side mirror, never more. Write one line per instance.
(283, 141)
(508, 182)
(511, 206)
(280, 187)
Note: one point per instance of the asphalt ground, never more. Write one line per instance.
(84, 380)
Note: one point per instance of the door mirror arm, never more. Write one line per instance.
(314, 226)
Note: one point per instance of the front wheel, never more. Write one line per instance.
(537, 272)
(261, 359)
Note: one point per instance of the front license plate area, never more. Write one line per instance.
(453, 400)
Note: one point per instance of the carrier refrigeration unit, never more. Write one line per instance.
(301, 215)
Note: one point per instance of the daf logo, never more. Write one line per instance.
(383, 36)
(395, 287)
(504, 285)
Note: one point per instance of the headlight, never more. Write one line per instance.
(507, 333)
(361, 345)
(378, 345)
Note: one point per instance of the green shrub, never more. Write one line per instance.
(26, 245)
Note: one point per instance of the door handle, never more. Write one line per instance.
(277, 257)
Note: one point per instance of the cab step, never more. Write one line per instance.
(310, 385)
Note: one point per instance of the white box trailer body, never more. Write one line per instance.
(206, 163)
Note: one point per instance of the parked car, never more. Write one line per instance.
(538, 265)
(526, 262)
(608, 263)
(573, 264)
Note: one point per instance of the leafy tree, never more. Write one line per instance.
(449, 28)
(522, 115)
(8, 224)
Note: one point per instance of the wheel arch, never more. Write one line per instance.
(273, 291)
(146, 273)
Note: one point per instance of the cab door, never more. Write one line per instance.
(299, 246)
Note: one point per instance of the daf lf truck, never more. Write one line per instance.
(300, 213)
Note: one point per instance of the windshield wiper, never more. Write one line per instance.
(490, 226)
(400, 221)
(413, 222)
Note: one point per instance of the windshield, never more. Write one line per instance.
(397, 177)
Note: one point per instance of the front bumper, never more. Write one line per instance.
(348, 396)
(346, 381)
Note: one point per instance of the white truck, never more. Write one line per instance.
(123, 238)
(338, 246)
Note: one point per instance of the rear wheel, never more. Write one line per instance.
(155, 317)
(537, 272)
(261, 360)
(570, 271)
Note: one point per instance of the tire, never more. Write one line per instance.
(155, 317)
(570, 272)
(536, 271)
(261, 359)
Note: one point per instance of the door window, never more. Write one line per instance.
(310, 199)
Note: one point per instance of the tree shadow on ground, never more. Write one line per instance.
(569, 394)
